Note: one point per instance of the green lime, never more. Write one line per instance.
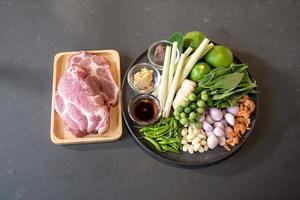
(193, 39)
(219, 56)
(199, 70)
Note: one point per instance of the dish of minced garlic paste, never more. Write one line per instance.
(143, 79)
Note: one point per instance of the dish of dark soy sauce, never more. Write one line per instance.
(145, 110)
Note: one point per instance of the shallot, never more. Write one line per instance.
(212, 141)
(207, 126)
(209, 119)
(202, 118)
(229, 118)
(233, 110)
(219, 124)
(216, 114)
(228, 131)
(209, 133)
(224, 122)
(222, 141)
(219, 132)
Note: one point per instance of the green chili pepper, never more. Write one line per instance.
(154, 143)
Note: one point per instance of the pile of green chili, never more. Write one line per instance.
(164, 136)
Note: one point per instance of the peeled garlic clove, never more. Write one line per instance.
(205, 148)
(190, 136)
(201, 136)
(201, 149)
(203, 142)
(222, 141)
(191, 149)
(219, 132)
(184, 131)
(196, 140)
(212, 141)
(229, 118)
(196, 147)
(184, 141)
(197, 131)
(185, 147)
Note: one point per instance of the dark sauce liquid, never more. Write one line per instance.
(145, 110)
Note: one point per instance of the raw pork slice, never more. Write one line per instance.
(85, 93)
(99, 75)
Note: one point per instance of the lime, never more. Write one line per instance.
(219, 56)
(199, 70)
(193, 39)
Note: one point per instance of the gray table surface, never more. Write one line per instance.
(264, 34)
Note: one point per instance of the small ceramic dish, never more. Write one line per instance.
(137, 68)
(59, 135)
(151, 52)
(141, 106)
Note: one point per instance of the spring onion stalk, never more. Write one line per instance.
(172, 64)
(163, 86)
(167, 108)
(192, 61)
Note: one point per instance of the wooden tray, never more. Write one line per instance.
(57, 131)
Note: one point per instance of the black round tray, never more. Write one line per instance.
(184, 158)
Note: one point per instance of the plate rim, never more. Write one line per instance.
(159, 157)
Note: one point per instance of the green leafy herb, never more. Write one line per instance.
(177, 37)
(228, 81)
(227, 85)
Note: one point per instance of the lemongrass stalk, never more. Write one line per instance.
(193, 60)
(172, 65)
(163, 86)
(168, 105)
(207, 49)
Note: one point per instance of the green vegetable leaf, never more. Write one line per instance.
(228, 81)
(177, 37)
(238, 67)
(224, 95)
